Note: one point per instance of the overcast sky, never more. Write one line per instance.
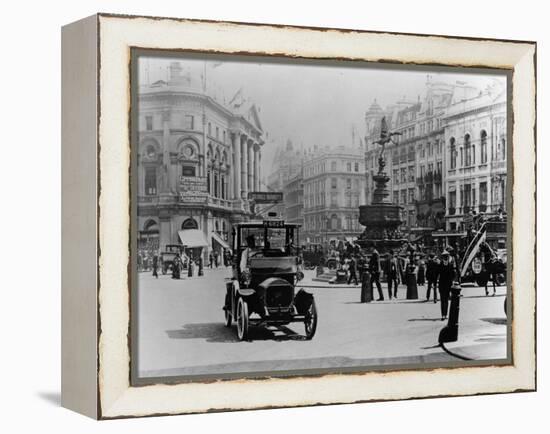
(309, 103)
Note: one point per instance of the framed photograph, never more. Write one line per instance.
(260, 216)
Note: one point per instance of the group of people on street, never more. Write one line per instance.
(438, 273)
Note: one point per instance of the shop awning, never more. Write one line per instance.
(192, 238)
(220, 240)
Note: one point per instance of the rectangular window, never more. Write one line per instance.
(148, 123)
(188, 122)
(333, 182)
(452, 199)
(348, 184)
(396, 197)
(411, 195)
(150, 181)
(333, 166)
(483, 193)
(396, 176)
(357, 167)
(334, 199)
(188, 171)
(403, 196)
(217, 133)
(348, 166)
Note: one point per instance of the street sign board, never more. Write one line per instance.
(265, 196)
(193, 189)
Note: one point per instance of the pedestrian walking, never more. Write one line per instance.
(374, 267)
(447, 274)
(352, 271)
(155, 265)
(393, 272)
(491, 274)
(432, 272)
(210, 260)
(216, 258)
(176, 270)
(421, 275)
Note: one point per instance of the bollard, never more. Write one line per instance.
(449, 333)
(366, 288)
(412, 288)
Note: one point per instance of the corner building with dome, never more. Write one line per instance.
(197, 159)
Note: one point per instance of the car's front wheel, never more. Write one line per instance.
(227, 310)
(242, 319)
(310, 322)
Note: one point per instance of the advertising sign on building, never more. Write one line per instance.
(193, 189)
(266, 196)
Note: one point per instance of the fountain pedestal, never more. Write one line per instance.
(381, 218)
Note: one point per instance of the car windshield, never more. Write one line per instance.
(260, 238)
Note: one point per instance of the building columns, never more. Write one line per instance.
(165, 168)
(250, 150)
(236, 141)
(244, 166)
(256, 167)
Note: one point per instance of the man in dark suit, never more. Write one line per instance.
(374, 268)
(432, 272)
(352, 271)
(447, 274)
(393, 270)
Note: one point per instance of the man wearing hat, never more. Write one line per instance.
(374, 268)
(447, 275)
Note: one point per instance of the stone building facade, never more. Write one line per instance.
(333, 189)
(476, 157)
(197, 160)
(435, 189)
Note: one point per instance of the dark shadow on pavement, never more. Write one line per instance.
(218, 333)
(52, 398)
(497, 321)
(427, 319)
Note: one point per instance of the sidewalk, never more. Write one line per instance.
(482, 332)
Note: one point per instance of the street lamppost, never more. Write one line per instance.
(326, 231)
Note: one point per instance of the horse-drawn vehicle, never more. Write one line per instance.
(168, 256)
(266, 270)
(481, 262)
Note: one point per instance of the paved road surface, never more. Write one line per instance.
(181, 330)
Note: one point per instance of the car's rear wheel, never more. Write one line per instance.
(227, 311)
(310, 322)
(500, 280)
(242, 319)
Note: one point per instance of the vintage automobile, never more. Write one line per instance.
(262, 290)
(167, 257)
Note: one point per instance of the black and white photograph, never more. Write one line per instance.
(295, 217)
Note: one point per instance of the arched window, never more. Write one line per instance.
(483, 143)
(151, 152)
(333, 221)
(467, 150)
(150, 226)
(150, 181)
(452, 150)
(190, 223)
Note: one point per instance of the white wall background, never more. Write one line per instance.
(30, 217)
